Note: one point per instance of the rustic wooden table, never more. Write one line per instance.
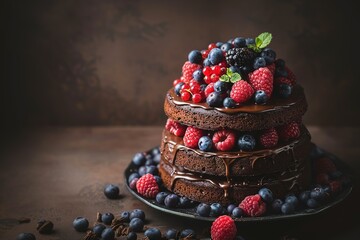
(59, 173)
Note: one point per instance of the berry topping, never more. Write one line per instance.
(246, 142)
(175, 128)
(215, 56)
(241, 91)
(240, 57)
(188, 69)
(223, 228)
(269, 138)
(205, 144)
(224, 140)
(266, 195)
(260, 97)
(147, 186)
(195, 56)
(214, 99)
(253, 205)
(289, 131)
(229, 103)
(192, 136)
(262, 79)
(284, 90)
(203, 209)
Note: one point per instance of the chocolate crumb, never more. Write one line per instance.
(24, 220)
(45, 227)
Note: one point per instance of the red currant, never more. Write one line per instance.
(211, 46)
(214, 77)
(223, 71)
(185, 87)
(207, 71)
(216, 69)
(195, 88)
(185, 96)
(205, 53)
(207, 79)
(196, 98)
(222, 64)
(209, 89)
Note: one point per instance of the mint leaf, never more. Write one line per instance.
(225, 78)
(235, 77)
(263, 40)
(252, 46)
(229, 72)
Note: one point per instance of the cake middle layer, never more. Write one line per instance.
(230, 176)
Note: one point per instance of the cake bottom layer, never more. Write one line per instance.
(210, 188)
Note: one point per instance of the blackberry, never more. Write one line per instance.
(240, 57)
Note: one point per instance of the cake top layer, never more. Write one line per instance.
(241, 71)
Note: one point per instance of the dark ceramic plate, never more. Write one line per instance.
(191, 212)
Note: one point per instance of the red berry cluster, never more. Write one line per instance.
(266, 78)
(225, 140)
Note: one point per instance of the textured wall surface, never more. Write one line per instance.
(111, 62)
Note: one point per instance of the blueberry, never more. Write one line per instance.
(214, 99)
(292, 199)
(171, 233)
(126, 216)
(216, 209)
(230, 208)
(246, 142)
(136, 225)
(133, 182)
(198, 75)
(284, 90)
(98, 229)
(131, 236)
(202, 87)
(221, 87)
(108, 234)
(177, 88)
(184, 202)
(150, 162)
(229, 102)
(249, 41)
(312, 203)
(142, 170)
(219, 44)
(172, 200)
(206, 62)
(304, 196)
(261, 97)
(281, 72)
(269, 55)
(160, 197)
(259, 62)
(111, 191)
(280, 63)
(139, 159)
(195, 56)
(215, 56)
(266, 195)
(158, 180)
(237, 212)
(107, 218)
(153, 234)
(276, 205)
(318, 194)
(137, 213)
(132, 176)
(203, 209)
(205, 144)
(81, 224)
(187, 234)
(287, 208)
(239, 42)
(152, 169)
(26, 236)
(226, 46)
(235, 69)
(155, 151)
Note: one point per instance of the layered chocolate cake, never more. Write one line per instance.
(234, 125)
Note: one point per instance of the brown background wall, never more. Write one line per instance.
(111, 62)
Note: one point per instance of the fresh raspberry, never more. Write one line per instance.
(271, 67)
(269, 138)
(262, 79)
(224, 140)
(241, 91)
(223, 228)
(209, 89)
(283, 80)
(188, 69)
(322, 178)
(253, 205)
(335, 187)
(175, 128)
(289, 131)
(192, 136)
(291, 76)
(324, 165)
(147, 186)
